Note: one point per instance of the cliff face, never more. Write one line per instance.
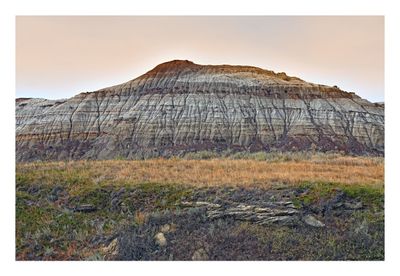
(180, 106)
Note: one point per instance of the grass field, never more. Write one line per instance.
(333, 169)
(132, 200)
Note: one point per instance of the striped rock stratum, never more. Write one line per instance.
(180, 107)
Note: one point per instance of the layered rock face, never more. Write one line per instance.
(180, 107)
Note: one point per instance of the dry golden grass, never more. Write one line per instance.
(140, 217)
(336, 169)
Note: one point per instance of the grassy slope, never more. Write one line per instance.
(135, 198)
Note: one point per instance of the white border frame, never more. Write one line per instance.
(9, 9)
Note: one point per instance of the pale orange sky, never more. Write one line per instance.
(60, 56)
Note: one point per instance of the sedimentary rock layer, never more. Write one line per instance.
(180, 106)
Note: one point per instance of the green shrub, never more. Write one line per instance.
(201, 155)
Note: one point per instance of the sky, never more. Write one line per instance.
(61, 56)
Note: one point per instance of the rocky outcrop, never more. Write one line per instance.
(270, 213)
(180, 107)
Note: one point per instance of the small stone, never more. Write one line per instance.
(85, 208)
(362, 228)
(111, 250)
(206, 204)
(124, 208)
(262, 210)
(338, 205)
(115, 202)
(353, 205)
(160, 239)
(312, 221)
(52, 198)
(54, 194)
(283, 220)
(200, 255)
(165, 228)
(33, 189)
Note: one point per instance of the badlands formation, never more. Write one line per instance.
(181, 107)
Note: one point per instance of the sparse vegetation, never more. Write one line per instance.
(133, 200)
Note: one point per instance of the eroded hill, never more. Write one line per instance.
(180, 107)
